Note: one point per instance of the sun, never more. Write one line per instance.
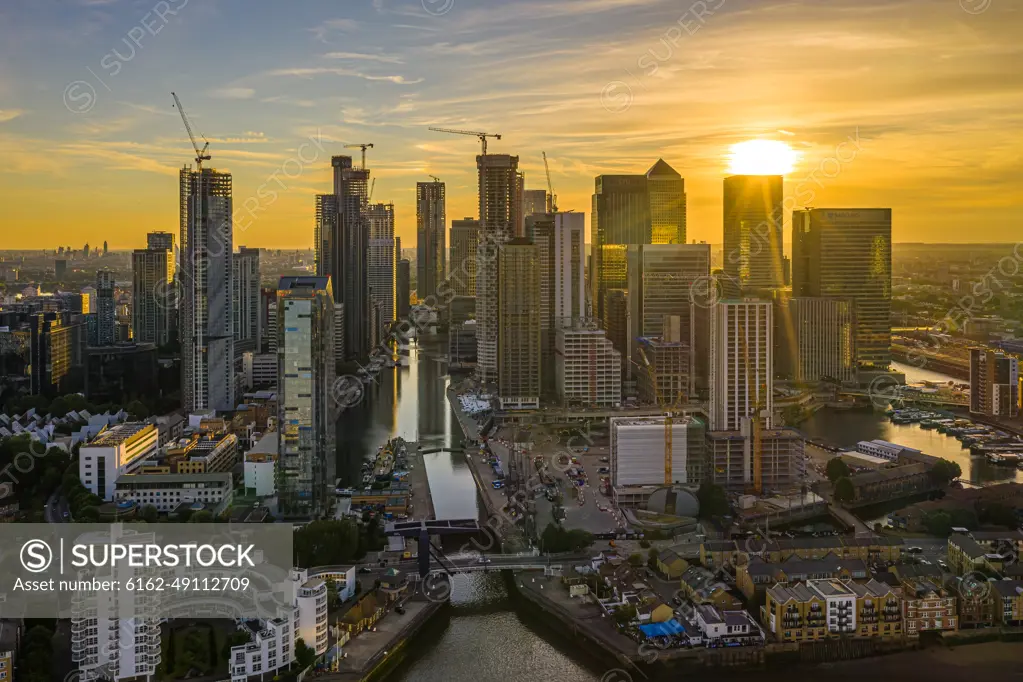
(762, 157)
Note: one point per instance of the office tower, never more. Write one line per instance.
(753, 233)
(382, 267)
(267, 299)
(664, 374)
(500, 202)
(994, 383)
(245, 304)
(587, 368)
(339, 332)
(106, 315)
(205, 271)
(534, 201)
(465, 241)
(815, 339)
(741, 363)
(324, 231)
(161, 241)
(431, 246)
(88, 300)
(518, 339)
(462, 333)
(667, 195)
(619, 327)
(621, 216)
(154, 296)
(348, 251)
(403, 287)
(106, 250)
(51, 350)
(59, 269)
(85, 250)
(847, 253)
(306, 407)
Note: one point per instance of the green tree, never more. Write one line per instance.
(837, 469)
(636, 560)
(303, 654)
(149, 514)
(323, 543)
(87, 515)
(652, 556)
(625, 614)
(998, 514)
(938, 523)
(944, 472)
(713, 501)
(203, 516)
(844, 491)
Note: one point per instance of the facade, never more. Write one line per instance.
(518, 318)
(927, 606)
(619, 327)
(731, 459)
(346, 252)
(994, 383)
(847, 253)
(246, 301)
(166, 492)
(403, 289)
(306, 409)
(667, 196)
(431, 245)
(588, 369)
(259, 370)
(206, 314)
(665, 377)
(820, 335)
(465, 241)
(620, 216)
(500, 202)
(382, 275)
(534, 201)
(637, 450)
(52, 351)
(260, 465)
(741, 363)
(203, 453)
(325, 230)
(153, 292)
(819, 609)
(106, 315)
(113, 453)
(753, 233)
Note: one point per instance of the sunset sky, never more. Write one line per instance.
(926, 95)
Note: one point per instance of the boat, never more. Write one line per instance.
(1005, 459)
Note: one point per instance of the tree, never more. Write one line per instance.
(137, 410)
(713, 501)
(87, 515)
(636, 560)
(837, 469)
(625, 614)
(944, 472)
(203, 516)
(149, 514)
(844, 491)
(652, 555)
(303, 654)
(998, 514)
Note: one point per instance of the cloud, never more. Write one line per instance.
(332, 26)
(383, 58)
(234, 93)
(10, 114)
(308, 72)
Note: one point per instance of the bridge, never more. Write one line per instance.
(430, 451)
(526, 561)
(899, 394)
(424, 529)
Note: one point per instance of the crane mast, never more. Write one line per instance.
(363, 146)
(552, 198)
(482, 136)
(200, 154)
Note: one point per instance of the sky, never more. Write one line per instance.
(915, 105)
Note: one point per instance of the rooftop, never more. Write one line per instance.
(118, 434)
(218, 477)
(831, 588)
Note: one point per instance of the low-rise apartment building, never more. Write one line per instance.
(758, 575)
(819, 609)
(167, 491)
(1008, 598)
(927, 606)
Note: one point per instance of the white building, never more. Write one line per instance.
(840, 604)
(260, 369)
(114, 452)
(731, 626)
(741, 363)
(167, 491)
(587, 368)
(637, 449)
(882, 448)
(260, 463)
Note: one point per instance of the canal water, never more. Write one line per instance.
(845, 428)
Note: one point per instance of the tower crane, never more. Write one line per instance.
(200, 154)
(482, 136)
(435, 178)
(372, 186)
(552, 198)
(363, 146)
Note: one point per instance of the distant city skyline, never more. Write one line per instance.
(852, 92)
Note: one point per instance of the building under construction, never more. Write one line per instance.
(587, 368)
(731, 458)
(669, 368)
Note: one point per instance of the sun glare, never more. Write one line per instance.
(762, 157)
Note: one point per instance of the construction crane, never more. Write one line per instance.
(200, 154)
(372, 186)
(552, 198)
(483, 136)
(363, 146)
(669, 416)
(435, 178)
(756, 431)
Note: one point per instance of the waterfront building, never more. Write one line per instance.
(465, 242)
(153, 293)
(637, 450)
(819, 339)
(927, 606)
(245, 303)
(820, 609)
(518, 347)
(994, 383)
(166, 492)
(382, 271)
(206, 274)
(588, 369)
(741, 363)
(306, 407)
(847, 253)
(753, 233)
(756, 575)
(114, 452)
(431, 245)
(1008, 598)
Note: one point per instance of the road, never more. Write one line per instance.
(56, 509)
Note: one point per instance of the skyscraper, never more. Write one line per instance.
(667, 195)
(403, 289)
(994, 383)
(205, 272)
(162, 241)
(465, 242)
(325, 231)
(753, 233)
(621, 216)
(534, 201)
(500, 202)
(741, 363)
(245, 304)
(816, 339)
(154, 296)
(306, 407)
(431, 245)
(348, 247)
(382, 267)
(106, 314)
(518, 318)
(847, 253)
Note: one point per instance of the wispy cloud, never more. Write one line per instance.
(309, 72)
(10, 114)
(383, 58)
(331, 27)
(234, 93)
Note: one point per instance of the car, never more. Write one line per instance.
(400, 610)
(915, 550)
(943, 565)
(365, 569)
(483, 560)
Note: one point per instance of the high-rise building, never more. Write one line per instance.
(431, 246)
(106, 249)
(816, 339)
(306, 407)
(847, 253)
(664, 374)
(587, 368)
(500, 202)
(161, 241)
(51, 352)
(619, 327)
(60, 269)
(205, 272)
(731, 457)
(106, 309)
(753, 233)
(667, 192)
(621, 216)
(154, 296)
(245, 304)
(994, 383)
(345, 251)
(339, 331)
(382, 272)
(534, 201)
(741, 363)
(518, 318)
(637, 450)
(325, 230)
(403, 288)
(465, 242)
